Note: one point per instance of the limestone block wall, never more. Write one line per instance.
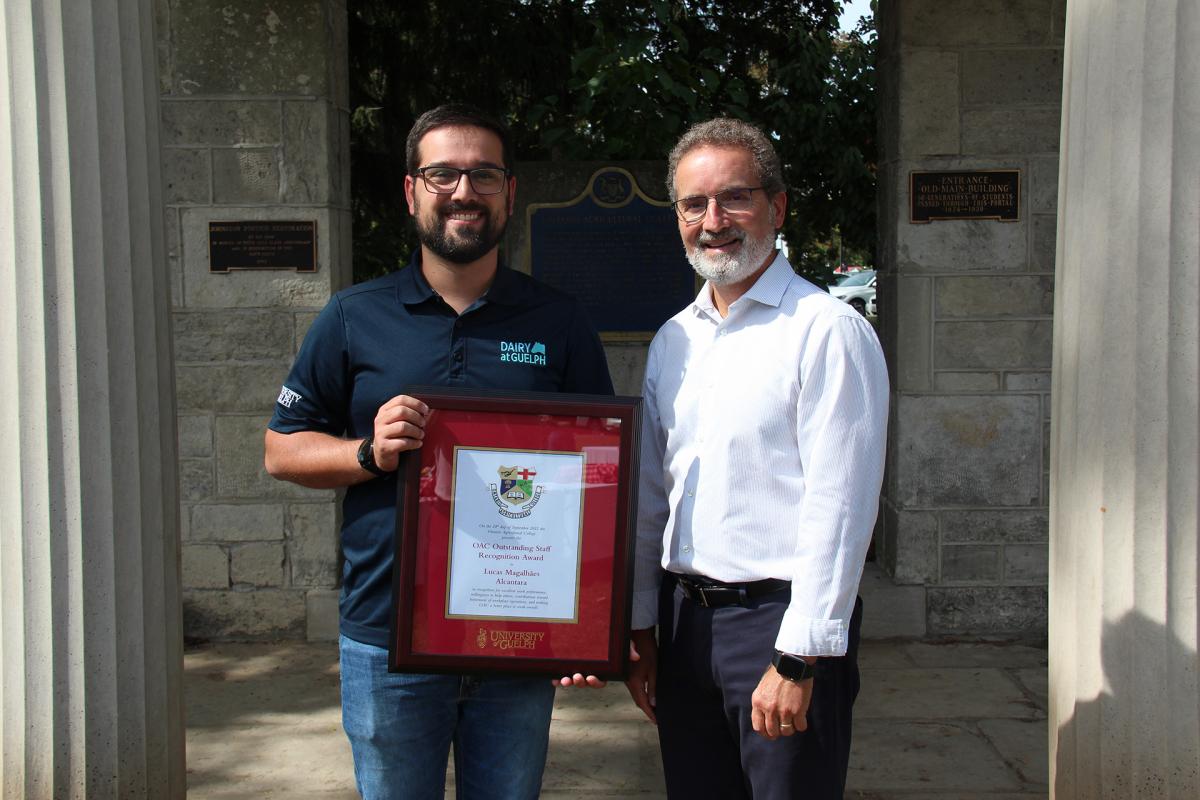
(255, 125)
(966, 306)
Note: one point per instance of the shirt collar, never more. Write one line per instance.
(412, 288)
(768, 289)
(505, 288)
(704, 303)
(771, 285)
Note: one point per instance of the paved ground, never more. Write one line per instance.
(962, 721)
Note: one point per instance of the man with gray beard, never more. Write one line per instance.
(762, 457)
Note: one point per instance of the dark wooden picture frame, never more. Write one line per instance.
(425, 636)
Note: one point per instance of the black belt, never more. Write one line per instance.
(710, 593)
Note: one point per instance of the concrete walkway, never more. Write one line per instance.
(963, 721)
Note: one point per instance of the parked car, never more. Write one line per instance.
(857, 289)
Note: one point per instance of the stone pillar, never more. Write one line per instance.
(965, 309)
(90, 640)
(255, 126)
(1124, 680)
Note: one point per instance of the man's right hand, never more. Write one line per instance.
(399, 426)
(643, 672)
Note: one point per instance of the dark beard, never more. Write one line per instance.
(467, 246)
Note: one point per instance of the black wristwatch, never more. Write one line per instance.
(366, 457)
(792, 668)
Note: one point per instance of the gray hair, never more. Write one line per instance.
(726, 132)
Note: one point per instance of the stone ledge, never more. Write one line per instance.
(1006, 611)
(234, 615)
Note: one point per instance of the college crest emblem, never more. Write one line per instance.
(517, 494)
(516, 484)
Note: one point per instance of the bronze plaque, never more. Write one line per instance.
(262, 244)
(970, 194)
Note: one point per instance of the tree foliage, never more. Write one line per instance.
(619, 79)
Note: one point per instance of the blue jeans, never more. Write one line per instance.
(401, 726)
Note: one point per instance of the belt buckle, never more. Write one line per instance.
(742, 594)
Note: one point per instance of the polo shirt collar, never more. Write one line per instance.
(412, 288)
(505, 288)
(768, 289)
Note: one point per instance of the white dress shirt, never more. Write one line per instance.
(762, 452)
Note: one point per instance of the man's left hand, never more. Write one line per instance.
(780, 705)
(579, 680)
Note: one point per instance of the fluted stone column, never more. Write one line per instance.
(90, 644)
(1124, 694)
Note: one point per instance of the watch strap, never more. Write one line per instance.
(366, 457)
(792, 668)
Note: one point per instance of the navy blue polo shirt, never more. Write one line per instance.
(374, 340)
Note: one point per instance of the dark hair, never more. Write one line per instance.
(454, 114)
(726, 132)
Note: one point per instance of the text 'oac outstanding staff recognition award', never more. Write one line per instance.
(516, 525)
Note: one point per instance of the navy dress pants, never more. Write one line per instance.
(710, 662)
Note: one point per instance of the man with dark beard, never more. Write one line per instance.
(762, 457)
(451, 318)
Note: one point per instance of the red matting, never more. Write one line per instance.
(605, 429)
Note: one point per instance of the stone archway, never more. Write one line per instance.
(90, 587)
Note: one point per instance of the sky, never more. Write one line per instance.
(852, 10)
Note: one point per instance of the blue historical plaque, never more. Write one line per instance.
(615, 249)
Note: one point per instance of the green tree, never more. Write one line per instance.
(618, 79)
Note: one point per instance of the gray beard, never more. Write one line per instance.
(721, 270)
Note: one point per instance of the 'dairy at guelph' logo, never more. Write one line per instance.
(523, 352)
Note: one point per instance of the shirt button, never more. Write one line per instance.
(687, 548)
(458, 356)
(690, 493)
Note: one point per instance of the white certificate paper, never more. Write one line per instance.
(516, 525)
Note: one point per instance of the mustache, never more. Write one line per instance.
(458, 207)
(726, 235)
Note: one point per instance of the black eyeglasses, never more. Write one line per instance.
(735, 201)
(444, 180)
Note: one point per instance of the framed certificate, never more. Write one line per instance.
(514, 535)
